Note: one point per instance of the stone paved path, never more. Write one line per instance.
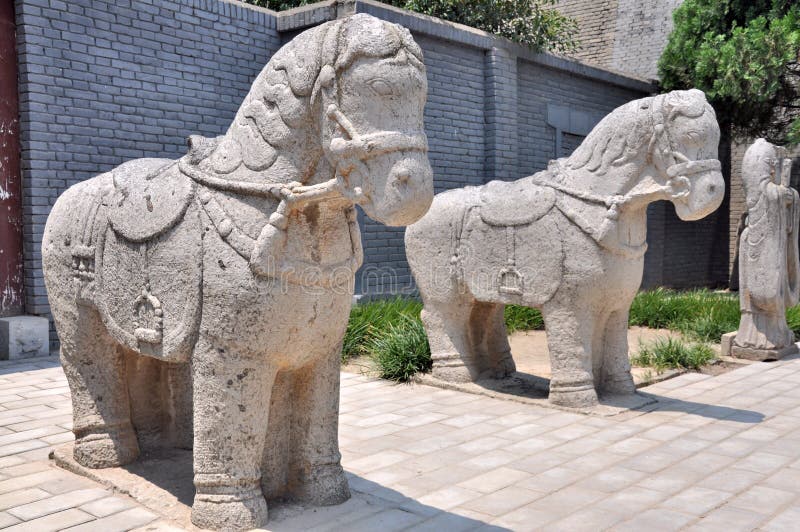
(718, 453)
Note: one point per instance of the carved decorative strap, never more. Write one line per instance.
(230, 233)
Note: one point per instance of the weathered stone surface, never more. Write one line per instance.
(23, 337)
(769, 264)
(569, 240)
(201, 302)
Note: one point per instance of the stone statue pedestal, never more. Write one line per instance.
(729, 348)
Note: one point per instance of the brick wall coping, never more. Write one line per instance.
(312, 14)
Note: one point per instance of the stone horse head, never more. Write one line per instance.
(342, 105)
(659, 148)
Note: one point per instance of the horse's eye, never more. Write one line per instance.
(380, 87)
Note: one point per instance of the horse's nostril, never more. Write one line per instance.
(402, 179)
(712, 188)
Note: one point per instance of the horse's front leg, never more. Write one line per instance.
(315, 462)
(231, 410)
(616, 377)
(569, 339)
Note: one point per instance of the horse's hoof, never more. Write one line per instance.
(243, 511)
(453, 373)
(574, 397)
(325, 486)
(621, 385)
(108, 449)
(504, 368)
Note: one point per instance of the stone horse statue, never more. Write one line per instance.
(569, 240)
(210, 295)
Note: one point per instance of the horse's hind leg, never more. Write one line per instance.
(497, 361)
(315, 471)
(95, 368)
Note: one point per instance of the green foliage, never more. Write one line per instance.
(533, 23)
(700, 314)
(673, 353)
(402, 349)
(372, 319)
(522, 319)
(744, 55)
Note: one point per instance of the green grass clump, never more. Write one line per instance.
(673, 353)
(793, 320)
(702, 315)
(402, 349)
(522, 319)
(370, 320)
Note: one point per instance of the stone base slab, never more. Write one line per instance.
(24, 337)
(162, 482)
(729, 348)
(529, 389)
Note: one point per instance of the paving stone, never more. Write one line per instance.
(696, 500)
(20, 497)
(386, 521)
(53, 522)
(107, 506)
(449, 522)
(120, 522)
(503, 501)
(57, 503)
(494, 480)
(34, 479)
(612, 479)
(565, 501)
(525, 518)
(763, 499)
(732, 480)
(787, 479)
(785, 521)
(6, 520)
(587, 520)
(729, 518)
(659, 519)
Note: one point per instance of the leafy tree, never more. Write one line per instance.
(533, 23)
(744, 54)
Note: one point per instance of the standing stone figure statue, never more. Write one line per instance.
(769, 265)
(569, 240)
(202, 302)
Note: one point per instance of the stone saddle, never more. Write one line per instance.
(138, 255)
(495, 243)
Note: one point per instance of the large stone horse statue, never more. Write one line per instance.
(217, 288)
(569, 240)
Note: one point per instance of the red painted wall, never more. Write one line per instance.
(11, 280)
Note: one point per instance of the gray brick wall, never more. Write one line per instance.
(622, 35)
(539, 86)
(103, 82)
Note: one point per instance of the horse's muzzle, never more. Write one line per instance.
(702, 196)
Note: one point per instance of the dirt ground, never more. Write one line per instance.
(531, 355)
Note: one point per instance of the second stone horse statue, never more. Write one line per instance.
(569, 240)
(202, 302)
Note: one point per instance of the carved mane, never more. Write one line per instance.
(622, 135)
(278, 114)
